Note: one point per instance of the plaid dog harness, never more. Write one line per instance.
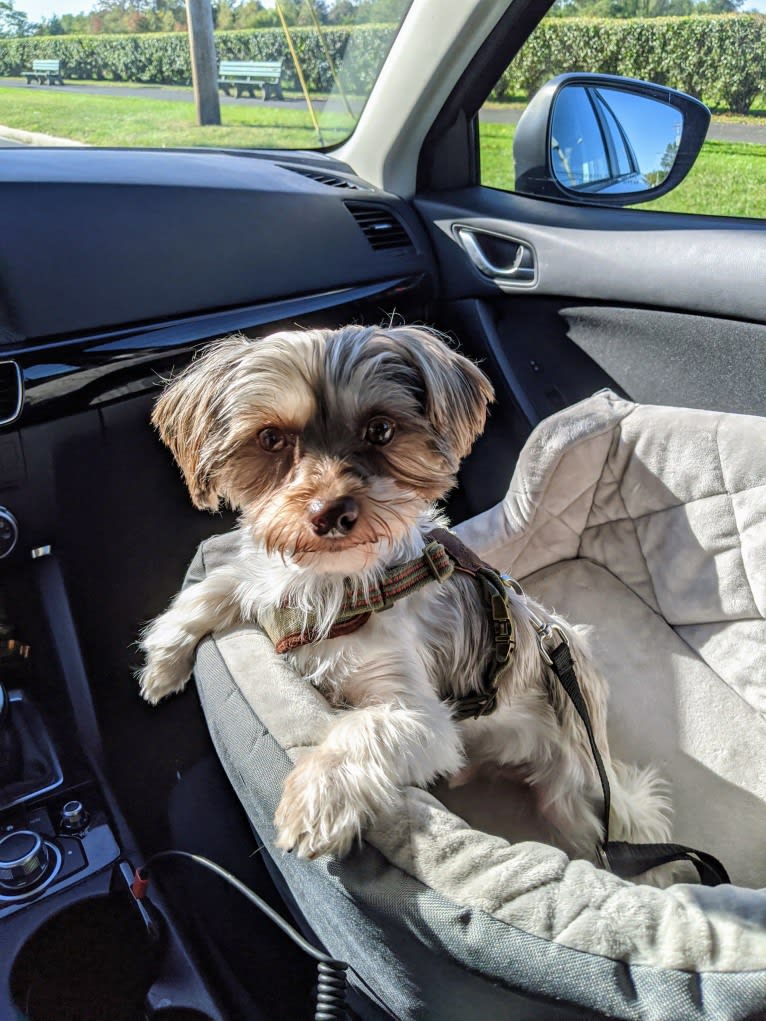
(289, 628)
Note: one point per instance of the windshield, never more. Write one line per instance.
(267, 74)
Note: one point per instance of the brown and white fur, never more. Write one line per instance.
(334, 446)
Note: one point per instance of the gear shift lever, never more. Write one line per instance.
(13, 658)
(10, 745)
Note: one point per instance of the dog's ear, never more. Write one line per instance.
(189, 417)
(456, 390)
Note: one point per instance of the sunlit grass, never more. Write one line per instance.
(496, 154)
(727, 179)
(163, 123)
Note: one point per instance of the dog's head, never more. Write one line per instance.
(329, 442)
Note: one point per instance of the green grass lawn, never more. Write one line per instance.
(728, 178)
(163, 123)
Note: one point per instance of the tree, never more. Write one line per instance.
(71, 24)
(125, 16)
(717, 6)
(642, 8)
(343, 12)
(224, 14)
(128, 16)
(13, 22)
(347, 12)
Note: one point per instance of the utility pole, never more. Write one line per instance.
(204, 63)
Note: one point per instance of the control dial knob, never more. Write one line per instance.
(23, 861)
(9, 532)
(74, 818)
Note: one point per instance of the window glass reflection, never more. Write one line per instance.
(605, 138)
(577, 145)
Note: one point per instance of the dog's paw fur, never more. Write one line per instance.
(161, 677)
(316, 814)
(168, 658)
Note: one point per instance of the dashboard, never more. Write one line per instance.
(116, 262)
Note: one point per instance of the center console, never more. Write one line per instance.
(75, 943)
(95, 534)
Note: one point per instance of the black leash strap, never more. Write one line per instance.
(626, 860)
(562, 665)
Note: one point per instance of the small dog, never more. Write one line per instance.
(335, 445)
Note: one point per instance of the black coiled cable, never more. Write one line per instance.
(331, 991)
(331, 974)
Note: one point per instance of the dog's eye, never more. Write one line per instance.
(272, 439)
(380, 431)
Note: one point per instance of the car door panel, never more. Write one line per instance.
(664, 308)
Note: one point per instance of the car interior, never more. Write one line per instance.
(116, 267)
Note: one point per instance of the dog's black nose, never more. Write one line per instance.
(329, 515)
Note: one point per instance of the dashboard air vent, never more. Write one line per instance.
(11, 392)
(380, 226)
(331, 180)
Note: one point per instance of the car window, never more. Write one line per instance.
(277, 74)
(718, 58)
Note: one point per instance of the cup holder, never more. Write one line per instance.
(91, 961)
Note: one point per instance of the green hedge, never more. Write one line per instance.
(163, 59)
(720, 58)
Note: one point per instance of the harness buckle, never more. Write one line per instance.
(440, 572)
(512, 584)
(503, 627)
(548, 636)
(475, 705)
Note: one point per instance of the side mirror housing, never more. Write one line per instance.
(606, 140)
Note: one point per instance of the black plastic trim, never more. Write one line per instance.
(439, 166)
(63, 376)
(14, 372)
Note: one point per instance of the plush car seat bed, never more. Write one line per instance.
(647, 526)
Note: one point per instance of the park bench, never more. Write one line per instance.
(45, 71)
(245, 75)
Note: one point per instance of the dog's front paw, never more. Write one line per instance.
(160, 678)
(168, 656)
(317, 814)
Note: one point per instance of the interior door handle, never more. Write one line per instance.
(520, 267)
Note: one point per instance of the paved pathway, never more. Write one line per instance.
(152, 92)
(719, 131)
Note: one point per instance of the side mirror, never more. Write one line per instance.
(606, 140)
